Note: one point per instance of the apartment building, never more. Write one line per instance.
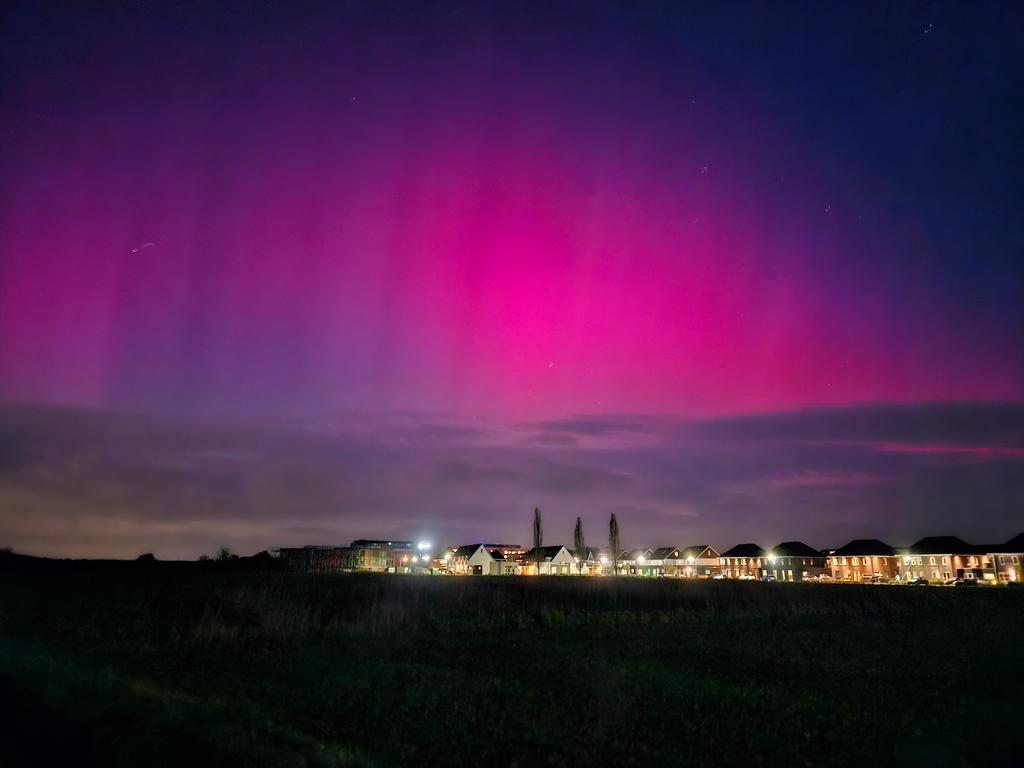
(864, 560)
(743, 561)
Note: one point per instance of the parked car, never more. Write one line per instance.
(767, 578)
(965, 583)
(717, 576)
(920, 581)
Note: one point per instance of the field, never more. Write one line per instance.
(165, 664)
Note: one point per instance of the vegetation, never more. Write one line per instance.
(538, 537)
(579, 545)
(167, 663)
(614, 546)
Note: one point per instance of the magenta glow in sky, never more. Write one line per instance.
(513, 213)
(384, 221)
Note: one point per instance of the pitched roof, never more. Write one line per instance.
(665, 553)
(634, 554)
(795, 549)
(863, 547)
(466, 550)
(496, 554)
(545, 552)
(697, 550)
(1016, 544)
(745, 550)
(937, 545)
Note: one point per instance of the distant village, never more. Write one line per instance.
(946, 560)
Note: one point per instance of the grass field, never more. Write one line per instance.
(166, 664)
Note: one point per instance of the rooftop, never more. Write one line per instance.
(795, 549)
(865, 547)
(745, 550)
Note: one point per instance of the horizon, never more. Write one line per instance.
(305, 272)
(256, 485)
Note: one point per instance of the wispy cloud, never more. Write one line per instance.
(84, 482)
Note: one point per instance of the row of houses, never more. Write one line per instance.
(934, 558)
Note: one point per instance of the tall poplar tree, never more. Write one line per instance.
(538, 537)
(579, 544)
(613, 543)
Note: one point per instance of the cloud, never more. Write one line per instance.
(949, 423)
(87, 482)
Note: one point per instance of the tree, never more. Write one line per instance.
(538, 537)
(224, 554)
(579, 544)
(613, 542)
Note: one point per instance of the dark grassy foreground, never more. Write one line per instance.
(170, 664)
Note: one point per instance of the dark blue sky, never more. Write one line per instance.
(261, 220)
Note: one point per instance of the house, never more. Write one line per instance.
(596, 561)
(1008, 559)
(664, 561)
(864, 560)
(743, 561)
(548, 561)
(700, 561)
(635, 561)
(477, 560)
(938, 558)
(795, 561)
(502, 565)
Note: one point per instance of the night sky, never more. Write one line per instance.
(290, 273)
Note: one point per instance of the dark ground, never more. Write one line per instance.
(169, 664)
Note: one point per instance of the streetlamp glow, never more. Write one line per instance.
(423, 545)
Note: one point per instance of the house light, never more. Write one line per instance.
(425, 558)
(604, 560)
(447, 555)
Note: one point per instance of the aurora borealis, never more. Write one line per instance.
(313, 222)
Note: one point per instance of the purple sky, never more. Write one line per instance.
(301, 273)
